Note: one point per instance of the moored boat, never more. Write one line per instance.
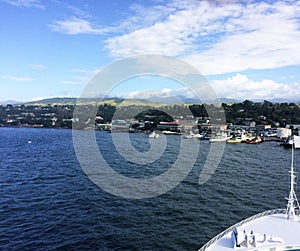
(153, 135)
(234, 140)
(219, 138)
(256, 140)
(192, 135)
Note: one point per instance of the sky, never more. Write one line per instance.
(245, 49)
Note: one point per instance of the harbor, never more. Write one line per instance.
(232, 134)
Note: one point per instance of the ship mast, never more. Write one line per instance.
(292, 200)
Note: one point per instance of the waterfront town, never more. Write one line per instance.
(273, 121)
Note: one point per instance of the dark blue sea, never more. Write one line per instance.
(47, 202)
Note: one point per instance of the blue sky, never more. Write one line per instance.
(52, 48)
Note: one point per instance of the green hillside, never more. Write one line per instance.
(90, 101)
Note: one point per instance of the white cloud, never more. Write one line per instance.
(25, 3)
(163, 93)
(241, 87)
(173, 34)
(238, 86)
(271, 43)
(146, 94)
(74, 26)
(140, 17)
(19, 79)
(37, 66)
(217, 37)
(80, 11)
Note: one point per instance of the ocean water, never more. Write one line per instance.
(47, 202)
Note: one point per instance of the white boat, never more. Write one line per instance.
(220, 138)
(235, 140)
(153, 135)
(171, 133)
(273, 230)
(192, 135)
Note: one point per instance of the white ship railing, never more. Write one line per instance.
(228, 230)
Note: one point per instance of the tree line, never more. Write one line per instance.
(275, 114)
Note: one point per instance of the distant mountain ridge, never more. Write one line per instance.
(11, 102)
(74, 101)
(126, 101)
(151, 101)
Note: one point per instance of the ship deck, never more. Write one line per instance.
(273, 232)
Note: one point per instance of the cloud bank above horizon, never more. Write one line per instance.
(216, 37)
(246, 49)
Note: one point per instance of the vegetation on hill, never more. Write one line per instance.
(61, 115)
(277, 114)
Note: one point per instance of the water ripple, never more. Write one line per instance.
(48, 203)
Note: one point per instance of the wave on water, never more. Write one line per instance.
(48, 203)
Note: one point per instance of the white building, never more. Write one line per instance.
(284, 132)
